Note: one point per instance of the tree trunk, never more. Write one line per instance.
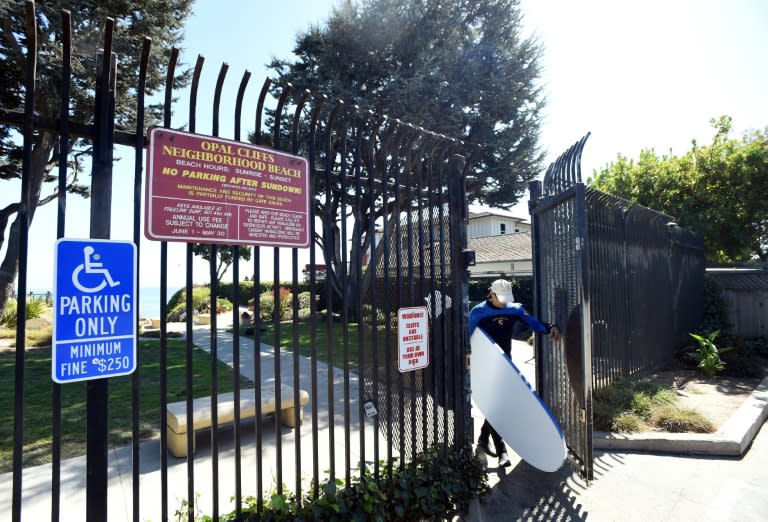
(9, 269)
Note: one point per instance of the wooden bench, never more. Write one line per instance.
(201, 413)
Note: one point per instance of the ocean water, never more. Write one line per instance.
(149, 301)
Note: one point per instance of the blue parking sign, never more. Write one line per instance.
(94, 327)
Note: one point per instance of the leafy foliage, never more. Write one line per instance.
(707, 355)
(457, 68)
(161, 21)
(34, 309)
(201, 303)
(717, 190)
(435, 486)
(224, 256)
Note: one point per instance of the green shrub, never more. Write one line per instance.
(201, 303)
(267, 305)
(627, 406)
(34, 308)
(677, 420)
(305, 299)
(9, 315)
(707, 355)
(432, 487)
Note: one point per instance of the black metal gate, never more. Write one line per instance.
(625, 283)
(389, 213)
(560, 268)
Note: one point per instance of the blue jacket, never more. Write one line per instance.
(501, 324)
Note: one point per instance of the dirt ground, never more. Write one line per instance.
(716, 398)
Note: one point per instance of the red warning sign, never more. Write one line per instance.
(413, 338)
(204, 189)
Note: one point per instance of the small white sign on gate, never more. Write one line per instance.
(413, 338)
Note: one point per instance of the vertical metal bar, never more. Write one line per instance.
(258, 139)
(138, 149)
(384, 154)
(66, 88)
(312, 147)
(101, 213)
(277, 309)
(296, 351)
(448, 340)
(214, 325)
(535, 192)
(460, 288)
(378, 160)
(583, 279)
(189, 346)
(421, 250)
(357, 237)
(395, 166)
(236, 320)
(342, 134)
(329, 241)
(23, 220)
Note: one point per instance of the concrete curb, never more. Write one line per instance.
(732, 439)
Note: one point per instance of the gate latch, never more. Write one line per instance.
(468, 258)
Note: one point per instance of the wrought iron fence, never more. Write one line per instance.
(624, 281)
(393, 191)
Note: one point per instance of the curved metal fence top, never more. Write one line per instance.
(566, 170)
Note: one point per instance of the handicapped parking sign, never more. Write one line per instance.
(95, 326)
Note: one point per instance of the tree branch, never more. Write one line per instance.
(5, 215)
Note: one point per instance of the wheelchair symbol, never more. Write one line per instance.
(92, 265)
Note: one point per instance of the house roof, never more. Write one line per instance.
(739, 279)
(477, 211)
(504, 247)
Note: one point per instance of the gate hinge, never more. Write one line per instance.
(583, 415)
(467, 258)
(467, 359)
(579, 243)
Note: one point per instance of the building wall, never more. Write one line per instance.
(491, 226)
(517, 267)
(747, 311)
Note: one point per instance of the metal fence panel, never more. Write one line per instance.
(624, 281)
(392, 189)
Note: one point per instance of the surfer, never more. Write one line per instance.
(502, 318)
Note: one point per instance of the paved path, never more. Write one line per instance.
(36, 496)
(639, 486)
(628, 485)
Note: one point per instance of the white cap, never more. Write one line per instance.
(503, 290)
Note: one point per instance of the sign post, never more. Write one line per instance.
(94, 329)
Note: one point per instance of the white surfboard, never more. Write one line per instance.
(512, 407)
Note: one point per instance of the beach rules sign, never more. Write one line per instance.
(95, 322)
(205, 189)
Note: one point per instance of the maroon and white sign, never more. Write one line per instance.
(210, 190)
(413, 338)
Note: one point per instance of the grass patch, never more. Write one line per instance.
(631, 406)
(677, 420)
(34, 337)
(38, 393)
(304, 333)
(155, 334)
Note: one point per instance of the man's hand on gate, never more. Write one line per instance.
(554, 333)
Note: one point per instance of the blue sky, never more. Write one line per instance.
(636, 74)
